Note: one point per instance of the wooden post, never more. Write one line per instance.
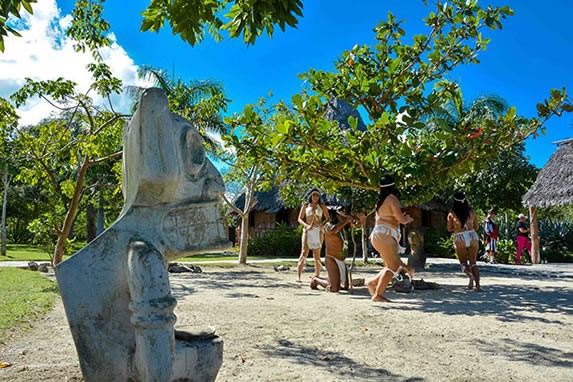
(535, 238)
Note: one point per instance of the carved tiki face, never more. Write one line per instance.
(165, 165)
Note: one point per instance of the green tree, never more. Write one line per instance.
(245, 173)
(12, 8)
(191, 19)
(200, 102)
(64, 149)
(502, 184)
(400, 86)
(8, 160)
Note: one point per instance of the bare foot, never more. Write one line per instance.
(313, 284)
(471, 277)
(478, 288)
(298, 280)
(371, 287)
(379, 299)
(410, 273)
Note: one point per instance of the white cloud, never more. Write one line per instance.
(44, 52)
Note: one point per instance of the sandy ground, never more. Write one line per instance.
(518, 329)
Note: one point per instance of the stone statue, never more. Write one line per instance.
(116, 290)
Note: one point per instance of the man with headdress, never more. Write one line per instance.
(336, 250)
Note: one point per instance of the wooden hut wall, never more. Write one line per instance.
(262, 223)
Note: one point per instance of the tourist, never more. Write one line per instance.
(462, 221)
(522, 238)
(311, 216)
(336, 242)
(491, 235)
(385, 238)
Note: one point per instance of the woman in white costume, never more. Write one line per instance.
(385, 237)
(311, 215)
(462, 221)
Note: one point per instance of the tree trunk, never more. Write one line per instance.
(71, 215)
(535, 238)
(244, 246)
(6, 181)
(91, 216)
(100, 227)
(417, 256)
(364, 239)
(249, 204)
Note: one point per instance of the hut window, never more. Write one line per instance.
(282, 216)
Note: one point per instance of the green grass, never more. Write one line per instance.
(24, 297)
(25, 252)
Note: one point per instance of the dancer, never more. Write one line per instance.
(336, 242)
(462, 221)
(385, 238)
(310, 216)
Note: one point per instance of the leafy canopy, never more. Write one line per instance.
(191, 19)
(12, 8)
(401, 85)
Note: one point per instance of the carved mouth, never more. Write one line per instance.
(196, 227)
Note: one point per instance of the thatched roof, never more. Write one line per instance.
(268, 201)
(554, 183)
(271, 201)
(339, 110)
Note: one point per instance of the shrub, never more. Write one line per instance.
(283, 241)
(506, 250)
(556, 235)
(439, 243)
(17, 231)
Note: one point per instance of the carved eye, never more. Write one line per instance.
(193, 152)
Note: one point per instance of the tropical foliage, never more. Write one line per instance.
(8, 160)
(556, 235)
(12, 8)
(247, 177)
(191, 19)
(402, 89)
(502, 184)
(280, 242)
(200, 102)
(86, 135)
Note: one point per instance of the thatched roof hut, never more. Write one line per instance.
(554, 184)
(553, 187)
(340, 110)
(267, 201)
(271, 201)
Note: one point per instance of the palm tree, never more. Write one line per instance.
(201, 102)
(458, 113)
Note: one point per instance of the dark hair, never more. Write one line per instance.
(309, 198)
(461, 207)
(387, 187)
(333, 211)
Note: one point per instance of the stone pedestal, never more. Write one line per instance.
(116, 290)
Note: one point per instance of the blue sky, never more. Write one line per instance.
(530, 55)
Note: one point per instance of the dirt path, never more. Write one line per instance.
(517, 329)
